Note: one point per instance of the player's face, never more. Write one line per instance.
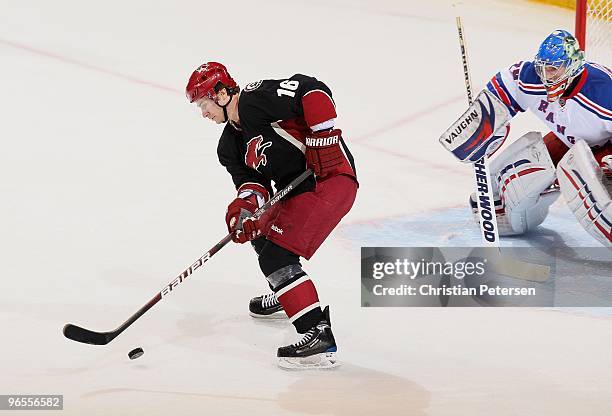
(554, 78)
(553, 74)
(210, 110)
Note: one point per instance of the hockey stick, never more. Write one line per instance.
(79, 334)
(484, 192)
(486, 204)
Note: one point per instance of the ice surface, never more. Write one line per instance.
(110, 187)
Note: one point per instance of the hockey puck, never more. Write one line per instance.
(135, 353)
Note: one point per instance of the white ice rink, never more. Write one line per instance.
(110, 187)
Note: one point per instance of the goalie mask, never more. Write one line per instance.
(559, 60)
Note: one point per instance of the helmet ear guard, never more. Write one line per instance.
(230, 90)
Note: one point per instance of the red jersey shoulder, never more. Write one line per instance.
(272, 100)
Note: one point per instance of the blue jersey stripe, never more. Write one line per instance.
(592, 110)
(532, 92)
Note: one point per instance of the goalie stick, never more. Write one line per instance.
(486, 206)
(79, 334)
(484, 191)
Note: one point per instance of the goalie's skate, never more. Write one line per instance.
(267, 307)
(316, 350)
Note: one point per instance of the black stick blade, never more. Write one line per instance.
(78, 334)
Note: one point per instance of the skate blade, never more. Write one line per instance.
(275, 315)
(321, 361)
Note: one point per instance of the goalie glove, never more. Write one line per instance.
(479, 131)
(323, 152)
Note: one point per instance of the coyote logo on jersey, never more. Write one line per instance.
(255, 156)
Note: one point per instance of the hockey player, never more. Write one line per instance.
(574, 99)
(274, 130)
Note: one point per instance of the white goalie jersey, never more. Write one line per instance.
(586, 113)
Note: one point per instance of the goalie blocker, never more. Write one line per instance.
(479, 131)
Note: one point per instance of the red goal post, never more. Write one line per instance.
(594, 29)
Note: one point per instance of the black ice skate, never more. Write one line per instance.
(267, 307)
(317, 349)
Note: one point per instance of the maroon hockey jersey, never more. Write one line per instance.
(276, 116)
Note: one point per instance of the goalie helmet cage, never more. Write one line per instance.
(594, 30)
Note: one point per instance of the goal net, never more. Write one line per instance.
(594, 30)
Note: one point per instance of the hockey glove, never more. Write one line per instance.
(239, 217)
(323, 152)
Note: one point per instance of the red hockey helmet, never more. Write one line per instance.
(204, 82)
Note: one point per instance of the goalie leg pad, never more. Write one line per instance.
(527, 219)
(580, 180)
(523, 176)
(603, 156)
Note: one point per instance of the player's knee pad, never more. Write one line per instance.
(522, 176)
(581, 183)
(279, 265)
(528, 151)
